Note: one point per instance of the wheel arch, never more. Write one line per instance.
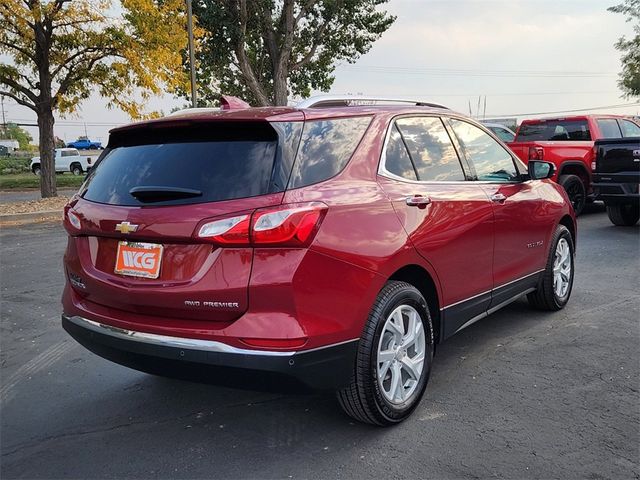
(568, 222)
(575, 167)
(420, 278)
(75, 163)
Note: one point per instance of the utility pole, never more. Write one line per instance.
(4, 120)
(192, 61)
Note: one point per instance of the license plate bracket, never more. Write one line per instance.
(139, 259)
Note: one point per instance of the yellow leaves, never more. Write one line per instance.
(125, 50)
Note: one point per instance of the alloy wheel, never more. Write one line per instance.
(401, 354)
(562, 268)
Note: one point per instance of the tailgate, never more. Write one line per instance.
(136, 247)
(618, 156)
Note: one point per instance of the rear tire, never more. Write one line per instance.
(576, 191)
(36, 170)
(76, 170)
(556, 284)
(625, 215)
(392, 365)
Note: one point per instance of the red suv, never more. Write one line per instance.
(329, 246)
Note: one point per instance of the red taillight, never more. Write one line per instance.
(287, 225)
(536, 153)
(71, 221)
(229, 232)
(292, 225)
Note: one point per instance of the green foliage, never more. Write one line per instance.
(9, 165)
(13, 131)
(266, 50)
(629, 81)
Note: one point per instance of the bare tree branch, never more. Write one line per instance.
(244, 64)
(11, 83)
(18, 49)
(314, 48)
(18, 99)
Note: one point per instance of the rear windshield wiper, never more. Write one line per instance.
(159, 194)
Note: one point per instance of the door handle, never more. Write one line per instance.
(418, 201)
(498, 197)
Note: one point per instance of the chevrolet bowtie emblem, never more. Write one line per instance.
(126, 227)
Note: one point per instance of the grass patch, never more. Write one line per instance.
(29, 180)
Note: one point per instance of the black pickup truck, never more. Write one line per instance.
(616, 179)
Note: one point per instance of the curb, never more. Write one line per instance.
(31, 216)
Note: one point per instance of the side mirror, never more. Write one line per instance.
(539, 170)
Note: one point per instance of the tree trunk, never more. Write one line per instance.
(47, 153)
(280, 88)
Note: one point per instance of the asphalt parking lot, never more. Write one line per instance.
(521, 394)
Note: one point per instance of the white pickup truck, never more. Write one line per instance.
(67, 160)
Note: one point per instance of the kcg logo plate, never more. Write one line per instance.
(139, 259)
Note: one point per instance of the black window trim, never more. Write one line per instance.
(522, 177)
(382, 170)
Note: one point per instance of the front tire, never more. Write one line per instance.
(76, 170)
(394, 358)
(576, 191)
(554, 289)
(626, 215)
(36, 170)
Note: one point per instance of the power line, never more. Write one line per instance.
(605, 107)
(385, 69)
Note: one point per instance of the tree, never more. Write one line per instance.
(629, 81)
(14, 132)
(62, 51)
(266, 50)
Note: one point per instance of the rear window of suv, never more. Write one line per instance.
(554, 130)
(211, 162)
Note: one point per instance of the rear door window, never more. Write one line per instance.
(554, 130)
(325, 148)
(186, 165)
(490, 160)
(609, 128)
(397, 160)
(430, 148)
(629, 129)
(502, 133)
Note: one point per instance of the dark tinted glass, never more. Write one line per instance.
(325, 148)
(241, 164)
(491, 161)
(430, 148)
(502, 133)
(555, 130)
(629, 129)
(397, 160)
(609, 128)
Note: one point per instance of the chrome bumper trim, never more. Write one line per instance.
(180, 342)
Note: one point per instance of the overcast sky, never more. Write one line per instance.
(526, 56)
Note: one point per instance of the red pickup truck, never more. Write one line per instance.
(568, 142)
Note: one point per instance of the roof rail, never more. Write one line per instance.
(328, 101)
(188, 111)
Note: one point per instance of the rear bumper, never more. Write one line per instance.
(617, 188)
(325, 368)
